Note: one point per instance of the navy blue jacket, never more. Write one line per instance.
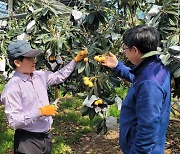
(145, 112)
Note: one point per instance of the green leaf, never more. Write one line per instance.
(105, 128)
(1, 87)
(173, 40)
(91, 6)
(99, 51)
(95, 88)
(92, 113)
(174, 66)
(60, 42)
(166, 59)
(115, 81)
(100, 16)
(152, 53)
(170, 28)
(97, 122)
(81, 68)
(85, 110)
(91, 17)
(3, 49)
(177, 73)
(106, 85)
(90, 93)
(53, 11)
(44, 11)
(100, 127)
(87, 70)
(175, 4)
(109, 101)
(37, 11)
(93, 62)
(156, 19)
(173, 112)
(173, 12)
(44, 27)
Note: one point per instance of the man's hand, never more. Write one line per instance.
(49, 110)
(80, 55)
(111, 60)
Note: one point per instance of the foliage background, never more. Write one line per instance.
(99, 30)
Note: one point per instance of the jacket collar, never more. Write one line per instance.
(146, 62)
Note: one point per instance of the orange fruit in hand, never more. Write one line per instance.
(103, 59)
(100, 58)
(96, 58)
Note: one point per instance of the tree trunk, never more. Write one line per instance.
(10, 7)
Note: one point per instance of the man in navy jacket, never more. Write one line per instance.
(145, 112)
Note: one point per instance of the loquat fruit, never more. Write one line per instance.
(96, 58)
(90, 84)
(96, 103)
(100, 101)
(86, 82)
(85, 78)
(86, 59)
(103, 59)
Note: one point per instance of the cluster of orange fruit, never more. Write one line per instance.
(84, 52)
(97, 102)
(87, 82)
(100, 58)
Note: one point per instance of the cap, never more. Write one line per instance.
(19, 48)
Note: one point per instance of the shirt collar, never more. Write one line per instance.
(144, 64)
(22, 76)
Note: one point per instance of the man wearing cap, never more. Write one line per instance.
(26, 99)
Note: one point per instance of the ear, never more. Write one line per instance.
(17, 63)
(136, 50)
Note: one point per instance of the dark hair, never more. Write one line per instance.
(143, 37)
(11, 61)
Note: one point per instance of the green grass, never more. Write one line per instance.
(1, 87)
(68, 127)
(113, 111)
(6, 134)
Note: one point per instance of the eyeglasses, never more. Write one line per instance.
(125, 48)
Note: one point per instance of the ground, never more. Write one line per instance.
(77, 137)
(108, 144)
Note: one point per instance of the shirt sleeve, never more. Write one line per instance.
(15, 114)
(148, 108)
(124, 71)
(61, 75)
